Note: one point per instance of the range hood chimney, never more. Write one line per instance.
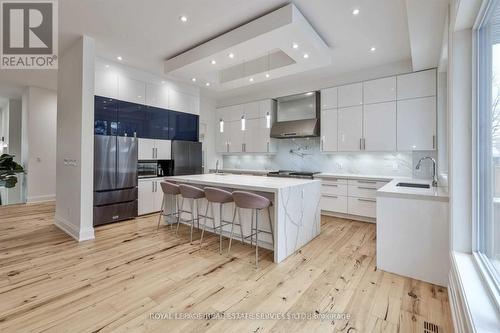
(298, 116)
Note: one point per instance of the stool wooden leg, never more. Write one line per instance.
(270, 223)
(232, 228)
(161, 213)
(256, 239)
(204, 224)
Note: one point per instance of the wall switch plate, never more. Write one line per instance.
(339, 165)
(395, 166)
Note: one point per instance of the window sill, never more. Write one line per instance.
(473, 309)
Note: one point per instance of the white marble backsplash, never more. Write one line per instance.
(306, 156)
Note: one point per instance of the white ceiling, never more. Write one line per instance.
(146, 33)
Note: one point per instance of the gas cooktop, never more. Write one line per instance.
(292, 174)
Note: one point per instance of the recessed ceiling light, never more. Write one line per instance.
(207, 84)
(267, 75)
(373, 49)
(162, 82)
(213, 62)
(231, 55)
(119, 58)
(250, 79)
(295, 45)
(355, 12)
(306, 56)
(107, 66)
(183, 18)
(193, 79)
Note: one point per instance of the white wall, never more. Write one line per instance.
(207, 133)
(75, 140)
(39, 112)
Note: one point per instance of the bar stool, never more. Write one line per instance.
(172, 190)
(256, 203)
(193, 193)
(221, 197)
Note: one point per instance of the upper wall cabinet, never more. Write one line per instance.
(379, 127)
(380, 90)
(416, 123)
(131, 90)
(350, 128)
(179, 101)
(350, 95)
(329, 98)
(418, 84)
(157, 95)
(105, 116)
(251, 110)
(106, 84)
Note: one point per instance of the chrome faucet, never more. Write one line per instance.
(217, 166)
(434, 169)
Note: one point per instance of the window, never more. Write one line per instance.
(487, 242)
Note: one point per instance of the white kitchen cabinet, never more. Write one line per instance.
(150, 149)
(350, 128)
(379, 127)
(150, 196)
(366, 207)
(146, 149)
(329, 131)
(236, 136)
(180, 101)
(267, 106)
(251, 110)
(131, 90)
(334, 203)
(418, 84)
(163, 149)
(350, 95)
(329, 98)
(230, 113)
(416, 124)
(257, 137)
(106, 83)
(157, 95)
(380, 90)
(222, 138)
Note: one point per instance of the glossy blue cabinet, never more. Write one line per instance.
(183, 126)
(114, 117)
(105, 116)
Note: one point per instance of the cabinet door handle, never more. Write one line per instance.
(434, 142)
(322, 143)
(152, 186)
(330, 185)
(367, 182)
(330, 196)
(267, 147)
(360, 144)
(153, 153)
(367, 200)
(367, 188)
(364, 144)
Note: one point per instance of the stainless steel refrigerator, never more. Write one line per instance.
(187, 158)
(115, 178)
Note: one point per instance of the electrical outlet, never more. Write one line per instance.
(339, 165)
(395, 166)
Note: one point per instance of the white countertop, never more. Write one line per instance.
(250, 182)
(439, 193)
(243, 171)
(356, 176)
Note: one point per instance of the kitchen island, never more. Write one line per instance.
(295, 213)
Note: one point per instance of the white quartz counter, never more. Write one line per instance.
(249, 182)
(439, 193)
(295, 211)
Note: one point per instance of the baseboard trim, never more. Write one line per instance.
(349, 216)
(78, 235)
(41, 198)
(459, 310)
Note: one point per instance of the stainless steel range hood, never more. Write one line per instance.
(298, 116)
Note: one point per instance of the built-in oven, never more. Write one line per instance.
(156, 168)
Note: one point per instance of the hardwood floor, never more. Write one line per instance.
(130, 274)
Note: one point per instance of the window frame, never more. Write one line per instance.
(482, 149)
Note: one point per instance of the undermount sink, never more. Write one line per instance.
(414, 185)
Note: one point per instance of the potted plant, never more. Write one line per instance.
(9, 171)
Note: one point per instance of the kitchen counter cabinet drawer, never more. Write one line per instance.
(334, 203)
(333, 180)
(362, 207)
(362, 191)
(367, 182)
(334, 189)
